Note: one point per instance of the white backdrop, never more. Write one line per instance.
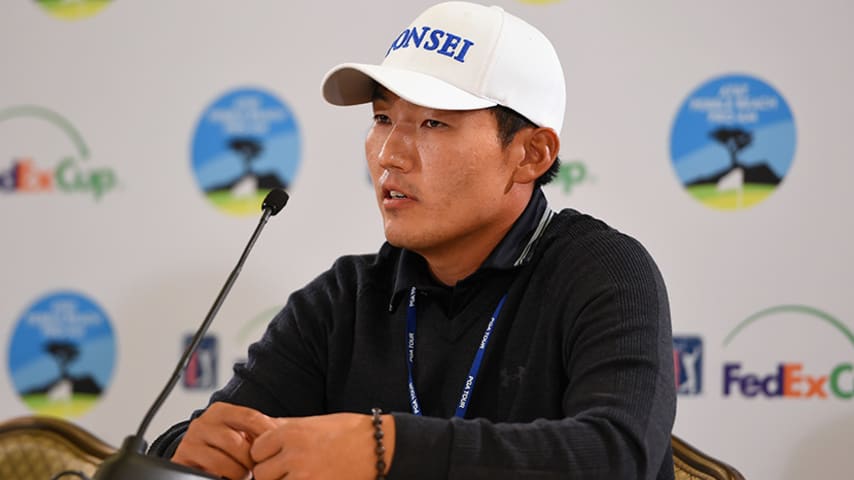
(134, 80)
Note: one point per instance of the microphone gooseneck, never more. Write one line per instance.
(273, 203)
(130, 462)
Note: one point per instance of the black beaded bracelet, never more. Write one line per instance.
(378, 436)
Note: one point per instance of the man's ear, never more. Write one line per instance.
(541, 146)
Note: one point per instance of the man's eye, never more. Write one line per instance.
(433, 123)
(380, 118)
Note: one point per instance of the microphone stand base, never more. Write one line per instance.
(131, 463)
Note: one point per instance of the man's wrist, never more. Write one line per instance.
(383, 436)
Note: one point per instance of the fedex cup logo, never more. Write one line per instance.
(818, 371)
(41, 152)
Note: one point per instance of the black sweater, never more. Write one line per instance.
(577, 380)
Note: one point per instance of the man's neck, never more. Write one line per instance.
(458, 264)
(452, 263)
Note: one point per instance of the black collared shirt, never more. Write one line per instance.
(451, 319)
(577, 380)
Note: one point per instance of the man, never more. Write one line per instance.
(502, 340)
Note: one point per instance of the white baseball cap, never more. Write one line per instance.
(462, 56)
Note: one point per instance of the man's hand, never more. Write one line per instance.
(335, 446)
(219, 440)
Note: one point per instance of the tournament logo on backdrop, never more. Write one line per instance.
(61, 355)
(41, 152)
(733, 142)
(688, 364)
(73, 9)
(201, 372)
(789, 352)
(245, 144)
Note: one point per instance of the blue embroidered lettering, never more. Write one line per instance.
(415, 38)
(401, 41)
(451, 42)
(461, 56)
(435, 37)
(453, 46)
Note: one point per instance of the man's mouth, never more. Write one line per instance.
(396, 195)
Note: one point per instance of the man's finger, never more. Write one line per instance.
(242, 418)
(250, 421)
(233, 444)
(268, 445)
(274, 468)
(211, 460)
(223, 465)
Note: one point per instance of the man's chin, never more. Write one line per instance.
(396, 241)
(402, 239)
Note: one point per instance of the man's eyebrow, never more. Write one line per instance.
(380, 93)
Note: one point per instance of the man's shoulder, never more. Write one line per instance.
(576, 235)
(570, 226)
(349, 276)
(365, 266)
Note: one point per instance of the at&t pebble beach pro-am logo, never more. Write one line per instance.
(73, 9)
(61, 354)
(733, 142)
(795, 352)
(246, 144)
(42, 152)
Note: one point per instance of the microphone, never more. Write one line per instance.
(131, 462)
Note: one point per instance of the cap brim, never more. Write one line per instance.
(354, 83)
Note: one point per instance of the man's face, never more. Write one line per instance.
(440, 176)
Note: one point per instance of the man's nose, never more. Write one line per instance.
(398, 150)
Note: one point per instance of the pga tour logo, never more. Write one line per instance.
(201, 372)
(688, 365)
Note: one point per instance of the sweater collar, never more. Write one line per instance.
(514, 250)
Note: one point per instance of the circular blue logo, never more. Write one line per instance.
(73, 10)
(61, 354)
(246, 143)
(733, 142)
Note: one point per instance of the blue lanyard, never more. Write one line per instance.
(463, 404)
